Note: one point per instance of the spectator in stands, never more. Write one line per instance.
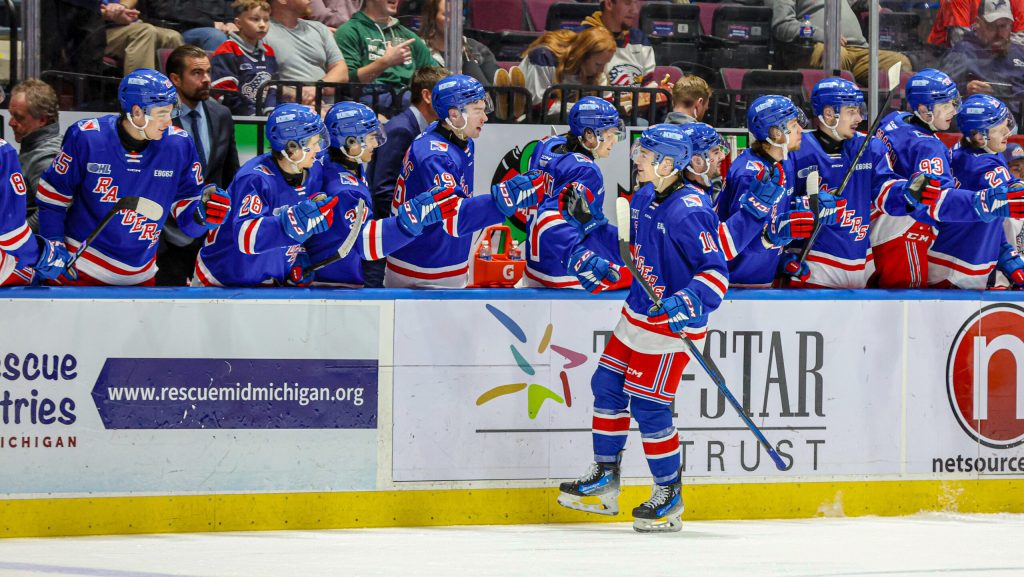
(333, 13)
(133, 41)
(76, 36)
(1014, 155)
(985, 61)
(787, 18)
(383, 172)
(633, 61)
(203, 23)
(955, 18)
(34, 116)
(477, 60)
(378, 48)
(305, 49)
(244, 62)
(212, 129)
(567, 57)
(691, 96)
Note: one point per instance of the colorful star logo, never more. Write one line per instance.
(535, 394)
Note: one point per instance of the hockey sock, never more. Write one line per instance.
(610, 429)
(663, 456)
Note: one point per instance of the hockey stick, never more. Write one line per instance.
(894, 82)
(143, 206)
(343, 250)
(623, 221)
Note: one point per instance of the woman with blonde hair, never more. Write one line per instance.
(567, 57)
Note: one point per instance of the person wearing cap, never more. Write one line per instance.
(986, 61)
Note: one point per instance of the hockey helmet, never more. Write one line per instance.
(664, 141)
(981, 112)
(772, 111)
(295, 125)
(350, 123)
(458, 91)
(930, 87)
(145, 88)
(595, 114)
(836, 93)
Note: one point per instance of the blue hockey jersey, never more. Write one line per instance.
(751, 263)
(378, 238)
(92, 171)
(673, 245)
(18, 247)
(252, 248)
(545, 152)
(841, 254)
(965, 253)
(550, 240)
(439, 257)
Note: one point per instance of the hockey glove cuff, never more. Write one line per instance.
(214, 207)
(682, 308)
(308, 217)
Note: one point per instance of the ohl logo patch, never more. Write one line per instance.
(536, 394)
(985, 376)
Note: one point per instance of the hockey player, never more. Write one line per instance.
(965, 254)
(443, 156)
(354, 134)
(673, 230)
(841, 255)
(18, 247)
(759, 186)
(135, 153)
(594, 128)
(709, 150)
(280, 206)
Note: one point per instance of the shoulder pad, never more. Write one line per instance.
(175, 131)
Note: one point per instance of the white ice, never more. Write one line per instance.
(920, 545)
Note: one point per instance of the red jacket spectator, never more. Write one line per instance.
(961, 14)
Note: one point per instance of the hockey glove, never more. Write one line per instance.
(593, 272)
(765, 191)
(53, 259)
(791, 266)
(785, 227)
(682, 308)
(521, 191)
(296, 278)
(922, 192)
(999, 202)
(577, 205)
(214, 207)
(428, 208)
(1011, 264)
(830, 209)
(308, 217)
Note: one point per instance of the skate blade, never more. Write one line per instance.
(670, 524)
(589, 504)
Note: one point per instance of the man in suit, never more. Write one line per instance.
(213, 131)
(382, 173)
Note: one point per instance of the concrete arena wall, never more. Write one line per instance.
(398, 408)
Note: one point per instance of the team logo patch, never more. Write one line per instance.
(755, 166)
(97, 168)
(441, 146)
(348, 179)
(692, 200)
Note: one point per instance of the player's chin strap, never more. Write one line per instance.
(831, 128)
(784, 146)
(359, 157)
(460, 130)
(141, 129)
(661, 179)
(928, 121)
(703, 175)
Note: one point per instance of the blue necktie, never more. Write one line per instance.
(193, 119)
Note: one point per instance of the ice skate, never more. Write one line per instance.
(662, 512)
(597, 491)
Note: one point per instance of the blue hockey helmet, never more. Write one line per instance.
(703, 138)
(292, 126)
(145, 88)
(458, 91)
(981, 112)
(836, 93)
(930, 87)
(350, 123)
(664, 141)
(772, 111)
(595, 114)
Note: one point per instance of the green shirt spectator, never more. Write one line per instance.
(379, 48)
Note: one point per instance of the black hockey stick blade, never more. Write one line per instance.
(346, 245)
(622, 220)
(143, 206)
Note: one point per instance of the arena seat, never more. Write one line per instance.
(538, 12)
(507, 45)
(672, 72)
(569, 15)
(674, 29)
(749, 28)
(495, 16)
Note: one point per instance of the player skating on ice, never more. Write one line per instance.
(551, 243)
(110, 160)
(965, 254)
(443, 155)
(280, 206)
(354, 134)
(673, 241)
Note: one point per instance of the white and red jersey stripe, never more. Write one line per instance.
(111, 271)
(961, 274)
(401, 274)
(831, 271)
(247, 235)
(645, 335)
(15, 239)
(533, 278)
(726, 242)
(7, 266)
(48, 194)
(543, 222)
(373, 240)
(714, 280)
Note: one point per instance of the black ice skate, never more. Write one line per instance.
(597, 491)
(662, 512)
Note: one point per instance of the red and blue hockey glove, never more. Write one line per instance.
(297, 276)
(578, 206)
(53, 260)
(308, 217)
(594, 273)
(521, 191)
(922, 192)
(765, 191)
(785, 227)
(999, 202)
(1011, 264)
(830, 208)
(791, 266)
(683, 309)
(431, 207)
(214, 207)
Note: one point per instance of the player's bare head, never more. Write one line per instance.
(691, 95)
